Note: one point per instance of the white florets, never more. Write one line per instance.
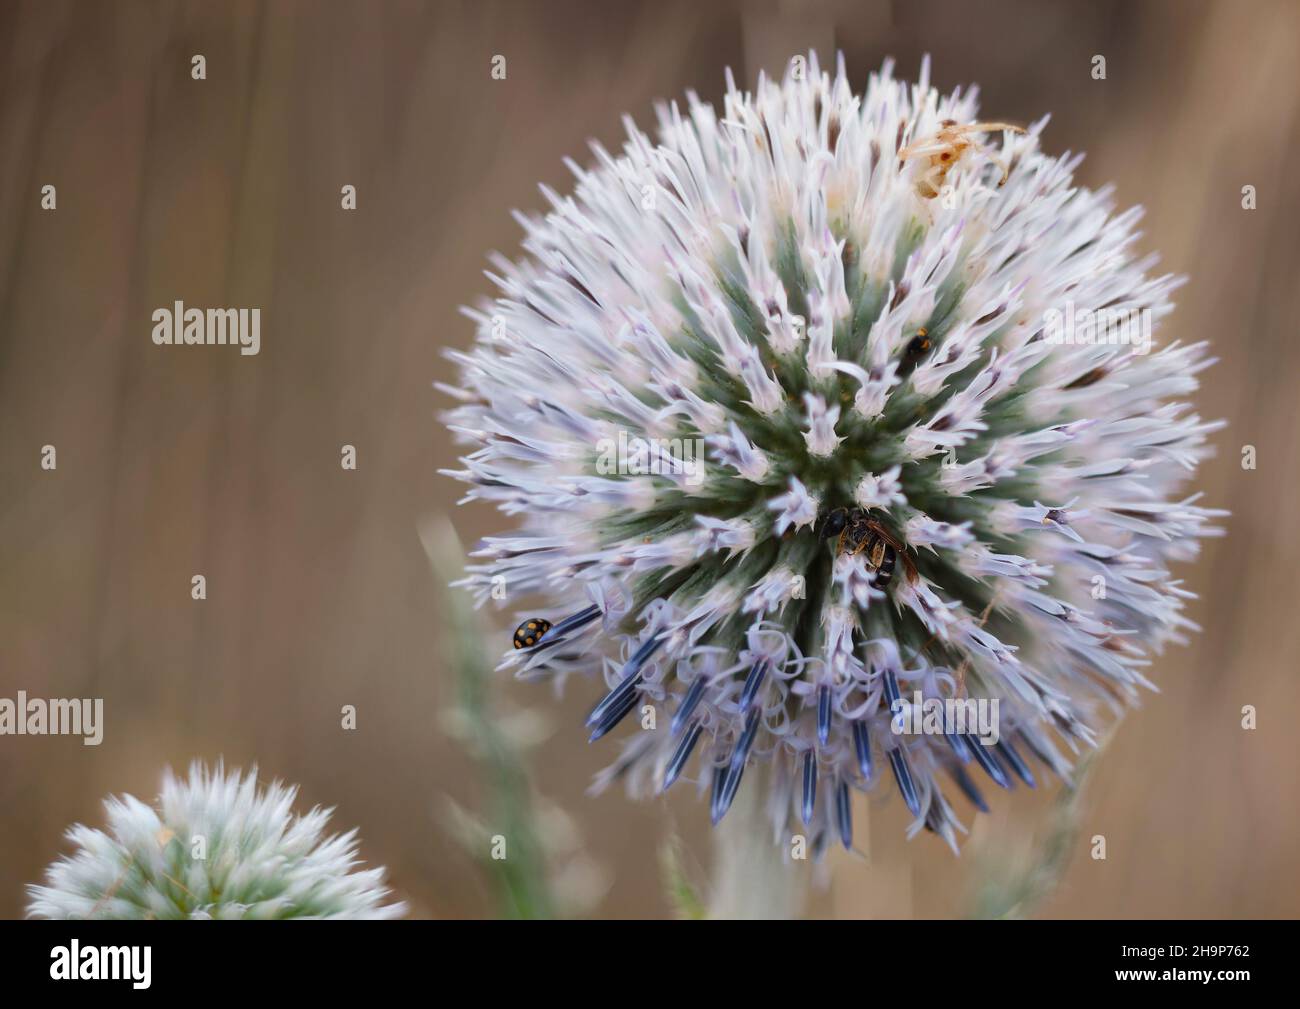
(837, 330)
(213, 846)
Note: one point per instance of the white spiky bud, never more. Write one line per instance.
(214, 845)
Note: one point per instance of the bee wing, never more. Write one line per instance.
(899, 548)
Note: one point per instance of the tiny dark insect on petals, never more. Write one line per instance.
(531, 631)
(915, 352)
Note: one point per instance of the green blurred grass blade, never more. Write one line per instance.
(520, 878)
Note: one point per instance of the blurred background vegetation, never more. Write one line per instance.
(320, 593)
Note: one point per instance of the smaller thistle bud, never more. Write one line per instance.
(213, 846)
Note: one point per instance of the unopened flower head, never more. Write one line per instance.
(909, 492)
(213, 846)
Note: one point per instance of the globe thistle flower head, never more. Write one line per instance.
(787, 413)
(214, 846)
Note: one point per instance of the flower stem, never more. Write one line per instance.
(751, 878)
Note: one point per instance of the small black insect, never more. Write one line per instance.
(859, 533)
(531, 631)
(918, 346)
(916, 351)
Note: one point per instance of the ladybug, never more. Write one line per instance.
(531, 631)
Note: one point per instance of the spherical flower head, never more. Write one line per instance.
(213, 846)
(838, 439)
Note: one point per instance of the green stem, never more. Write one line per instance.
(751, 878)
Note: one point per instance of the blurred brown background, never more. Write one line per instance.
(174, 462)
